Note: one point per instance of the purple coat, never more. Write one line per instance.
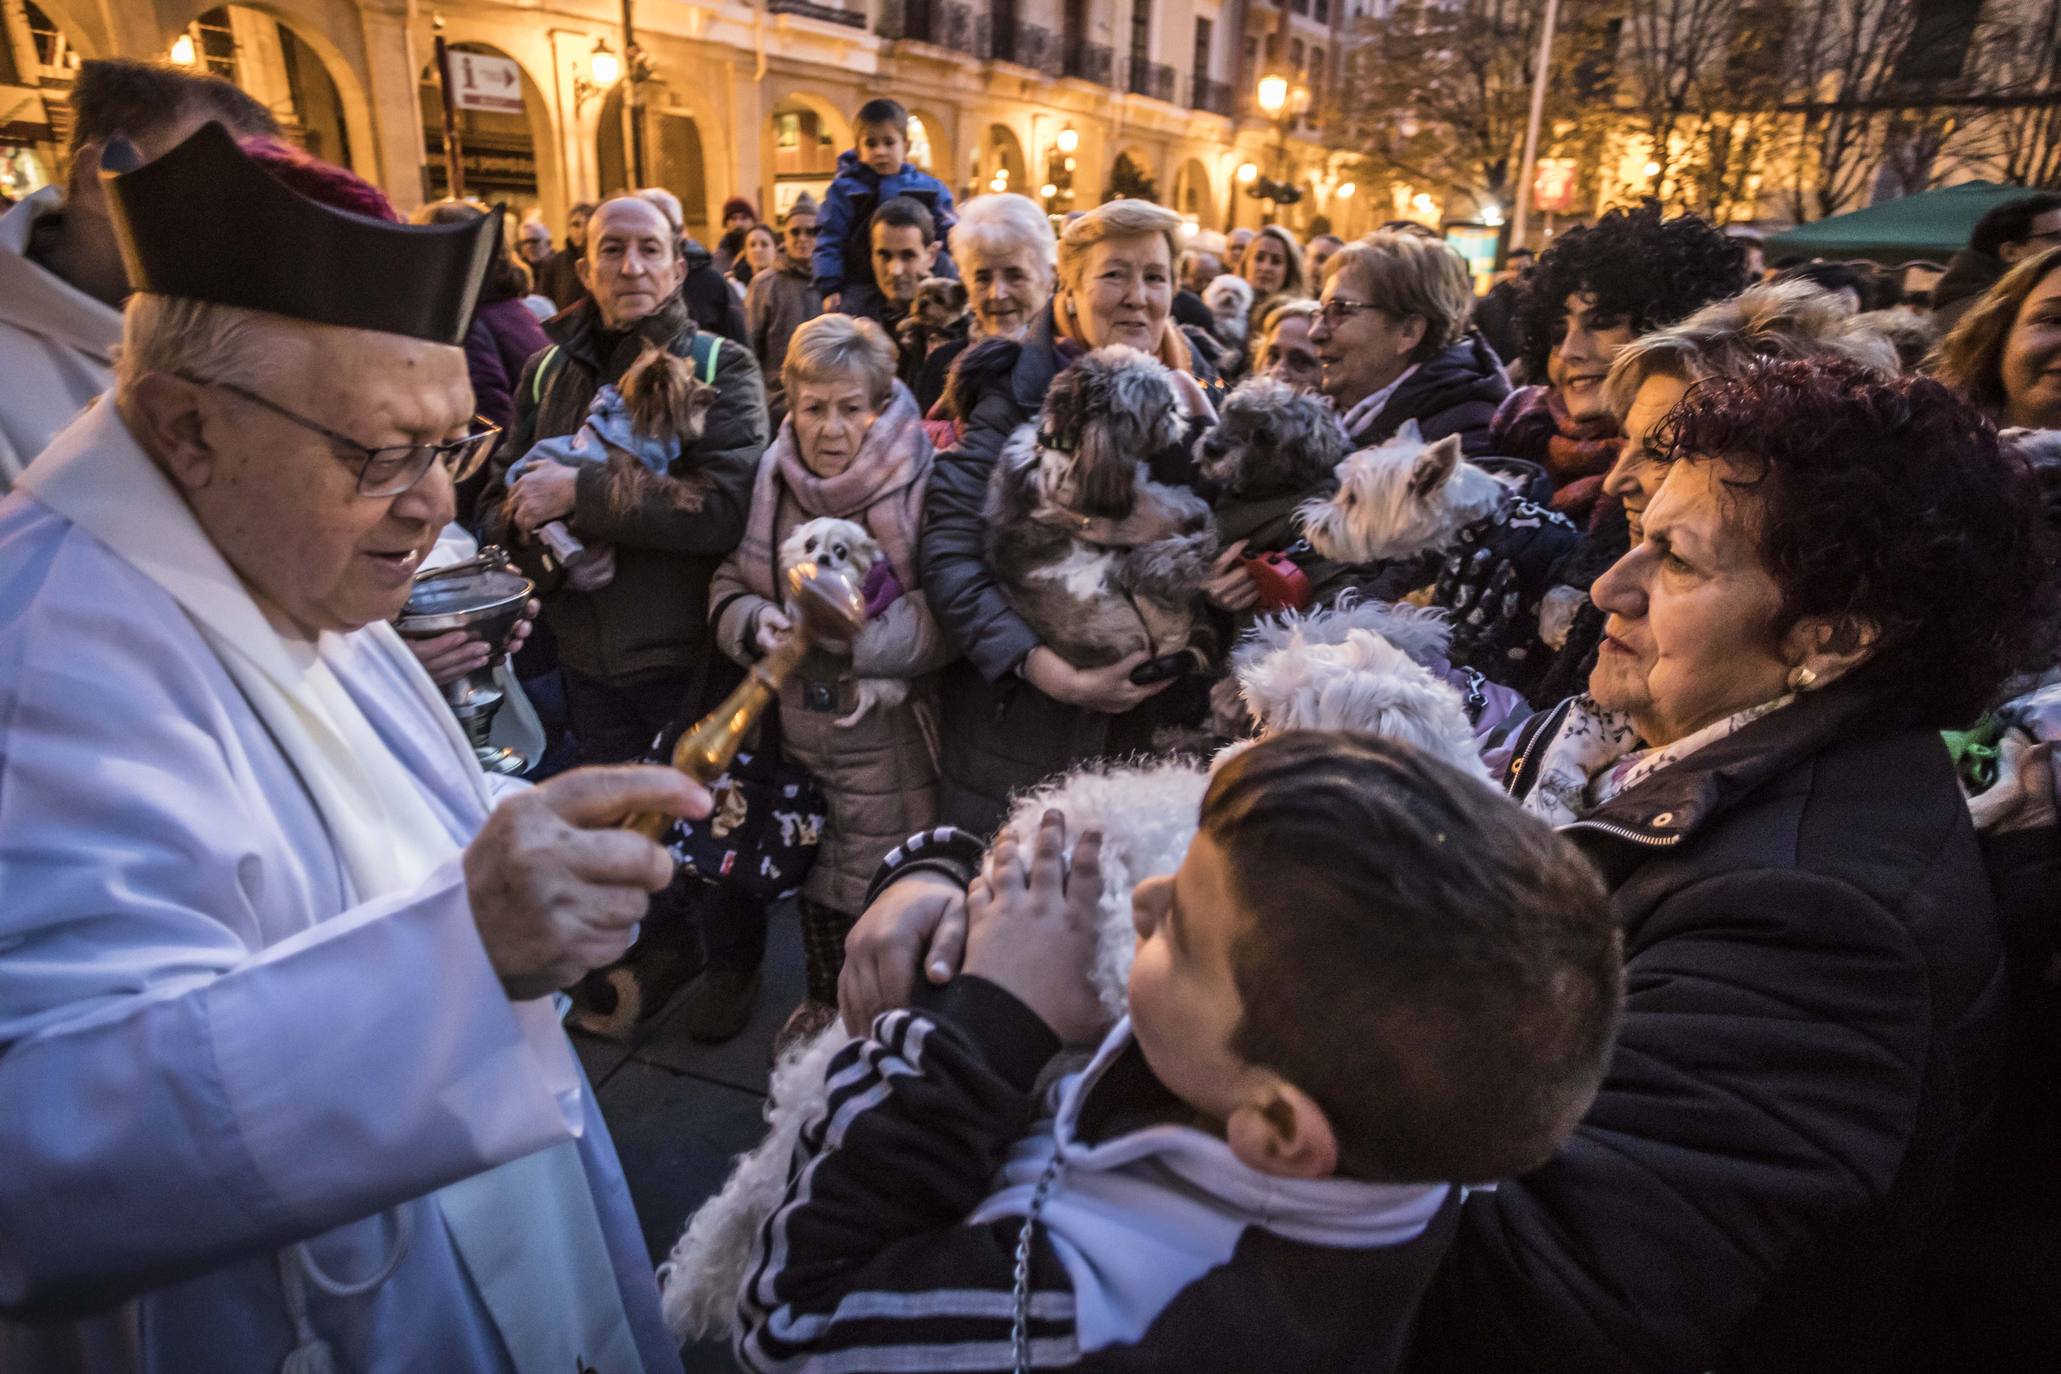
(504, 336)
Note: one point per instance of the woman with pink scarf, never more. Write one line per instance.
(862, 722)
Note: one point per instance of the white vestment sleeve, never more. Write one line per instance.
(192, 1071)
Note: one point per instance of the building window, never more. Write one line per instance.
(1323, 11)
(1941, 34)
(1204, 31)
(1295, 55)
(1141, 30)
(1302, 6)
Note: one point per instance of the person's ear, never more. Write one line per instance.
(1413, 329)
(1820, 652)
(83, 192)
(1282, 1132)
(930, 257)
(171, 420)
(2011, 252)
(583, 270)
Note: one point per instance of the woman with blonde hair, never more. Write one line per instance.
(1273, 268)
(1014, 710)
(852, 448)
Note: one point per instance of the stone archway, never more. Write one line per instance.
(507, 157)
(287, 56)
(999, 164)
(807, 136)
(928, 137)
(1193, 194)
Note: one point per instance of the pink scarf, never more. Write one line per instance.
(882, 490)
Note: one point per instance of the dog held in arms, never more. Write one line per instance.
(1355, 668)
(1101, 560)
(845, 546)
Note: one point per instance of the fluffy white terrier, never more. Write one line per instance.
(1331, 670)
(1402, 498)
(843, 546)
(1229, 300)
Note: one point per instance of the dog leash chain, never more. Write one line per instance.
(1019, 1329)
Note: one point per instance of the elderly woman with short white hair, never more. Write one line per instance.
(851, 449)
(1003, 247)
(1014, 710)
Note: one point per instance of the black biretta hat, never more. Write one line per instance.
(207, 223)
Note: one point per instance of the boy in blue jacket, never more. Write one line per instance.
(868, 176)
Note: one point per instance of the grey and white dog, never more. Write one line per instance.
(1099, 558)
(1270, 440)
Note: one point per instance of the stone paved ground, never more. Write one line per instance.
(680, 1112)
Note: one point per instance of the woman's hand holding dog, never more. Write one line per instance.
(769, 628)
(1032, 927)
(1230, 586)
(1109, 690)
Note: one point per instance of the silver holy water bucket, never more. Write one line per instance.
(485, 596)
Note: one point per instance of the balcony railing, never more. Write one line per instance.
(1026, 45)
(942, 22)
(1217, 97)
(1086, 61)
(810, 9)
(1154, 79)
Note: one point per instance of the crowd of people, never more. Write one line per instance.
(1725, 1037)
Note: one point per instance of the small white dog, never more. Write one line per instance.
(1229, 300)
(1400, 499)
(843, 546)
(1331, 670)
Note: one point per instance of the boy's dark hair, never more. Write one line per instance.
(2011, 221)
(1644, 270)
(1435, 967)
(903, 213)
(883, 111)
(116, 95)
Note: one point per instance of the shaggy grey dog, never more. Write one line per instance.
(1271, 440)
(1099, 558)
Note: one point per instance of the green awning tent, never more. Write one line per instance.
(1931, 224)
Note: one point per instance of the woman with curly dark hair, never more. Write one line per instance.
(2005, 354)
(1591, 293)
(1835, 568)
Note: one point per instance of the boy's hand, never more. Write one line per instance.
(832, 301)
(1031, 929)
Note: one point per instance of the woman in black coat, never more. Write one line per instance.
(1014, 712)
(1815, 992)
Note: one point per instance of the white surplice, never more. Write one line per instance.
(211, 1048)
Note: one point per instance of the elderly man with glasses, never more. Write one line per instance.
(783, 300)
(282, 1084)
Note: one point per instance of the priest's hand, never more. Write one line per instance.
(557, 890)
(542, 494)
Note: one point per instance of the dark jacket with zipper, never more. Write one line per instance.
(1454, 391)
(1814, 1013)
(669, 532)
(998, 732)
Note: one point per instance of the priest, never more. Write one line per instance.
(281, 1082)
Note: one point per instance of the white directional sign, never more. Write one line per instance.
(479, 82)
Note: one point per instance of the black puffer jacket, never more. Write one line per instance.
(669, 532)
(1813, 1024)
(1454, 391)
(998, 732)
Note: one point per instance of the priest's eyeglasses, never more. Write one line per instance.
(392, 468)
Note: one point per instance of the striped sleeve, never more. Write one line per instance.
(868, 1263)
(945, 850)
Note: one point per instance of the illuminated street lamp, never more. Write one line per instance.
(1273, 95)
(182, 50)
(606, 69)
(1346, 189)
(1247, 173)
(1068, 139)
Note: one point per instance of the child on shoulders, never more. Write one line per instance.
(868, 176)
